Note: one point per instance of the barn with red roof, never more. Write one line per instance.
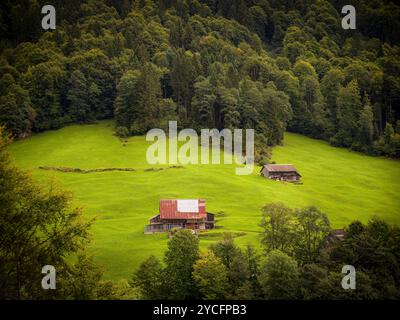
(181, 213)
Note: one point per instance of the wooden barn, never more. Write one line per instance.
(334, 236)
(283, 172)
(185, 213)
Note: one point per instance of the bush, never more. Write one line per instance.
(122, 132)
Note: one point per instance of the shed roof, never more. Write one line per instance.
(280, 168)
(338, 233)
(183, 209)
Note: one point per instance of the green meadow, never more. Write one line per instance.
(343, 184)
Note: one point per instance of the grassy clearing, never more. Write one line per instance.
(345, 185)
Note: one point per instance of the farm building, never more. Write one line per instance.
(283, 172)
(338, 234)
(187, 213)
(335, 235)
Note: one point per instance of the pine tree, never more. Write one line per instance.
(349, 105)
(127, 107)
(203, 103)
(149, 95)
(365, 128)
(80, 108)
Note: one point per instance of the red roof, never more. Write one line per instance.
(183, 209)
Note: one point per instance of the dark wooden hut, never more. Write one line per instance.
(283, 172)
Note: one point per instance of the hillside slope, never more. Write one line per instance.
(345, 185)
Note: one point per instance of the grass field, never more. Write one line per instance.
(345, 185)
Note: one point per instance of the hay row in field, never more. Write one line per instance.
(159, 169)
(79, 170)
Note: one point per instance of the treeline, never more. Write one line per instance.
(301, 259)
(261, 64)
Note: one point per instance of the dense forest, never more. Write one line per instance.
(270, 65)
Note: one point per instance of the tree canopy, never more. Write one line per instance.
(260, 64)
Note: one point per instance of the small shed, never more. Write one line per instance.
(335, 235)
(338, 234)
(283, 172)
